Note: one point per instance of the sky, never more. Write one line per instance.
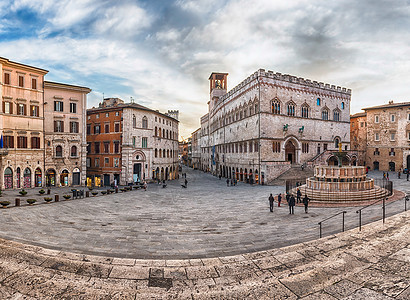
(161, 52)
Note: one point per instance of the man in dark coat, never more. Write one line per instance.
(306, 202)
(291, 204)
(279, 199)
(271, 203)
(186, 182)
(298, 196)
(227, 182)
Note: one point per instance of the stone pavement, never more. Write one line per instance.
(371, 264)
(208, 219)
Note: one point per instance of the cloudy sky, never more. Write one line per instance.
(161, 52)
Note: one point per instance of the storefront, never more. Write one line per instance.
(64, 178)
(8, 178)
(38, 178)
(51, 177)
(27, 178)
(76, 176)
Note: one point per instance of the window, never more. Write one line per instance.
(134, 121)
(88, 129)
(34, 110)
(7, 107)
(21, 80)
(156, 131)
(73, 107)
(88, 161)
(250, 147)
(116, 147)
(325, 115)
(116, 162)
(256, 147)
(144, 142)
(276, 147)
(73, 151)
(361, 124)
(144, 122)
(305, 147)
(376, 119)
(88, 148)
(392, 136)
(256, 108)
(107, 128)
(336, 116)
(337, 141)
(156, 152)
(305, 111)
(97, 129)
(96, 147)
(106, 147)
(376, 136)
(97, 162)
(35, 142)
(393, 118)
(21, 109)
(34, 83)
(408, 117)
(107, 161)
(291, 109)
(88, 117)
(275, 107)
(342, 105)
(21, 142)
(97, 116)
(325, 147)
(8, 141)
(133, 141)
(58, 126)
(107, 115)
(318, 101)
(117, 127)
(408, 135)
(58, 106)
(6, 78)
(74, 127)
(376, 151)
(59, 151)
(392, 153)
(117, 113)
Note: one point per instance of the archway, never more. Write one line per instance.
(136, 174)
(18, 177)
(333, 161)
(256, 177)
(27, 178)
(76, 176)
(64, 178)
(237, 174)
(50, 177)
(162, 174)
(37, 177)
(166, 173)
(290, 152)
(376, 165)
(8, 178)
(392, 166)
(250, 176)
(241, 174)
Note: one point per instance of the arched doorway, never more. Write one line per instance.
(333, 161)
(27, 178)
(51, 177)
(256, 177)
(241, 174)
(290, 152)
(237, 174)
(250, 176)
(166, 174)
(376, 165)
(246, 176)
(136, 174)
(18, 177)
(76, 176)
(64, 178)
(392, 166)
(162, 173)
(37, 177)
(8, 178)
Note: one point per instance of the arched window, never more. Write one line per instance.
(342, 105)
(163, 133)
(59, 151)
(134, 121)
(163, 153)
(156, 152)
(144, 122)
(276, 107)
(167, 134)
(159, 132)
(168, 153)
(336, 143)
(73, 151)
(250, 110)
(305, 111)
(291, 109)
(156, 131)
(325, 114)
(318, 101)
(336, 115)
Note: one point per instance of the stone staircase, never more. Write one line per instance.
(294, 173)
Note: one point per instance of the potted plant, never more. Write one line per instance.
(23, 192)
(111, 191)
(90, 188)
(122, 189)
(4, 204)
(67, 197)
(48, 199)
(42, 192)
(31, 201)
(103, 192)
(94, 193)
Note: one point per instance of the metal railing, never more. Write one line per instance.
(343, 222)
(359, 211)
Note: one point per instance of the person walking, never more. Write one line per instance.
(292, 205)
(298, 196)
(287, 197)
(186, 183)
(306, 203)
(227, 182)
(271, 203)
(387, 175)
(145, 185)
(279, 199)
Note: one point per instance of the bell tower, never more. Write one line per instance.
(218, 83)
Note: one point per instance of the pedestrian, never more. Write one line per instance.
(398, 174)
(186, 182)
(292, 205)
(279, 199)
(384, 175)
(387, 175)
(220, 176)
(298, 196)
(231, 182)
(306, 202)
(271, 203)
(145, 185)
(227, 182)
(287, 197)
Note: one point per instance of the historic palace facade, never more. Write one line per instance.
(128, 142)
(269, 122)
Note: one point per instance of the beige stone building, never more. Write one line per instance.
(21, 125)
(196, 149)
(358, 136)
(388, 136)
(65, 134)
(270, 122)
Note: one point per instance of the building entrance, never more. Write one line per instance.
(290, 152)
(137, 172)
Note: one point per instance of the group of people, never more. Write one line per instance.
(290, 199)
(233, 182)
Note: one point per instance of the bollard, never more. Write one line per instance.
(57, 198)
(17, 201)
(48, 191)
(87, 194)
(116, 190)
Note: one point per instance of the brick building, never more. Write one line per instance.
(128, 142)
(269, 122)
(358, 136)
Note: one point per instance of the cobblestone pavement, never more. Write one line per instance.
(208, 219)
(371, 264)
